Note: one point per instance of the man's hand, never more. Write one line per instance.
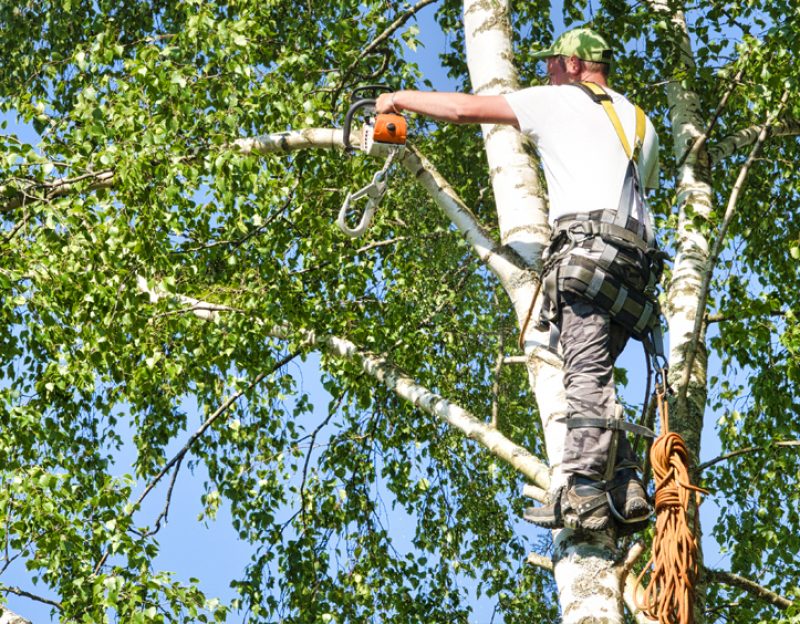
(386, 103)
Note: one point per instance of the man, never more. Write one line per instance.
(592, 179)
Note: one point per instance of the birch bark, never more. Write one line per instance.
(694, 200)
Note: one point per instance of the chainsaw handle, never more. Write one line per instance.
(372, 92)
(348, 120)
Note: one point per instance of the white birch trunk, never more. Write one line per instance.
(585, 570)
(695, 202)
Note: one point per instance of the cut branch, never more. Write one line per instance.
(744, 138)
(751, 587)
(379, 368)
(630, 585)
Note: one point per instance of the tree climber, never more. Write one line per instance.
(601, 268)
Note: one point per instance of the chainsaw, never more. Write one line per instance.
(379, 132)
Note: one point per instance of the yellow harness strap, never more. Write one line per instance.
(603, 98)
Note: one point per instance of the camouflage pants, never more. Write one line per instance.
(591, 343)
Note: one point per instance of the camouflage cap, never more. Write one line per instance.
(584, 43)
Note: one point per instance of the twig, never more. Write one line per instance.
(314, 434)
(498, 367)
(197, 434)
(749, 449)
(255, 232)
(370, 247)
(374, 46)
(691, 349)
(751, 587)
(165, 512)
(21, 592)
(720, 318)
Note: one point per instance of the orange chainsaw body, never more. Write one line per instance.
(390, 128)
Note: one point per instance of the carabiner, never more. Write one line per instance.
(374, 192)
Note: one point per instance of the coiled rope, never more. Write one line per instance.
(673, 566)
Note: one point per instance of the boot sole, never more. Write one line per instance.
(544, 520)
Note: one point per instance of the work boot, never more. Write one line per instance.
(629, 502)
(581, 504)
(549, 515)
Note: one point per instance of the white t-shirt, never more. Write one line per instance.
(583, 159)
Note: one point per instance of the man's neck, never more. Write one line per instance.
(593, 77)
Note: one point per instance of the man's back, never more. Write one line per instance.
(582, 156)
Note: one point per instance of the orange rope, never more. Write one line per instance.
(669, 597)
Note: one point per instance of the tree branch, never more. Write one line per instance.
(733, 143)
(751, 587)
(59, 188)
(744, 451)
(698, 144)
(691, 350)
(21, 592)
(379, 368)
(501, 260)
(390, 30)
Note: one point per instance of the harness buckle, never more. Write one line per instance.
(583, 228)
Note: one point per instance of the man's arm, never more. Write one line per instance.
(458, 108)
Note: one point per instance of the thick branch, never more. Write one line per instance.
(505, 263)
(395, 380)
(58, 188)
(9, 617)
(751, 587)
(744, 138)
(291, 141)
(698, 145)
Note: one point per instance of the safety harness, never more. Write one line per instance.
(610, 258)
